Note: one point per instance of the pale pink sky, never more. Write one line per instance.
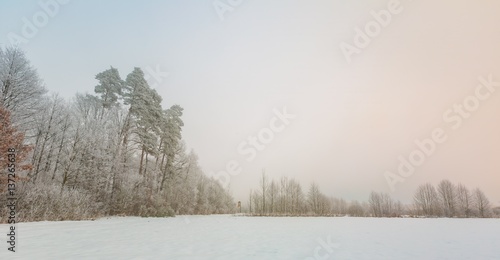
(353, 119)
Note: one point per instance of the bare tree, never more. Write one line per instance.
(496, 212)
(355, 209)
(339, 206)
(250, 202)
(426, 200)
(481, 203)
(285, 195)
(257, 201)
(264, 186)
(20, 87)
(381, 205)
(464, 201)
(447, 197)
(375, 201)
(273, 194)
(48, 130)
(399, 209)
(313, 198)
(387, 205)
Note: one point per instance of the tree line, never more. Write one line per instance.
(286, 197)
(114, 152)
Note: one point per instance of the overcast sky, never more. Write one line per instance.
(356, 109)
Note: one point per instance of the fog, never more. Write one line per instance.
(271, 86)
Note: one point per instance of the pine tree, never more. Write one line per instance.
(171, 127)
(110, 88)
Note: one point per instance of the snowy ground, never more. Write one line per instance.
(234, 237)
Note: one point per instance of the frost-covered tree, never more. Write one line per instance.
(382, 205)
(355, 209)
(339, 206)
(263, 187)
(464, 201)
(447, 198)
(314, 198)
(47, 132)
(282, 198)
(273, 195)
(170, 137)
(145, 110)
(375, 201)
(21, 88)
(426, 200)
(11, 138)
(94, 156)
(110, 88)
(481, 204)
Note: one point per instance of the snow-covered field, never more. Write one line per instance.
(237, 237)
